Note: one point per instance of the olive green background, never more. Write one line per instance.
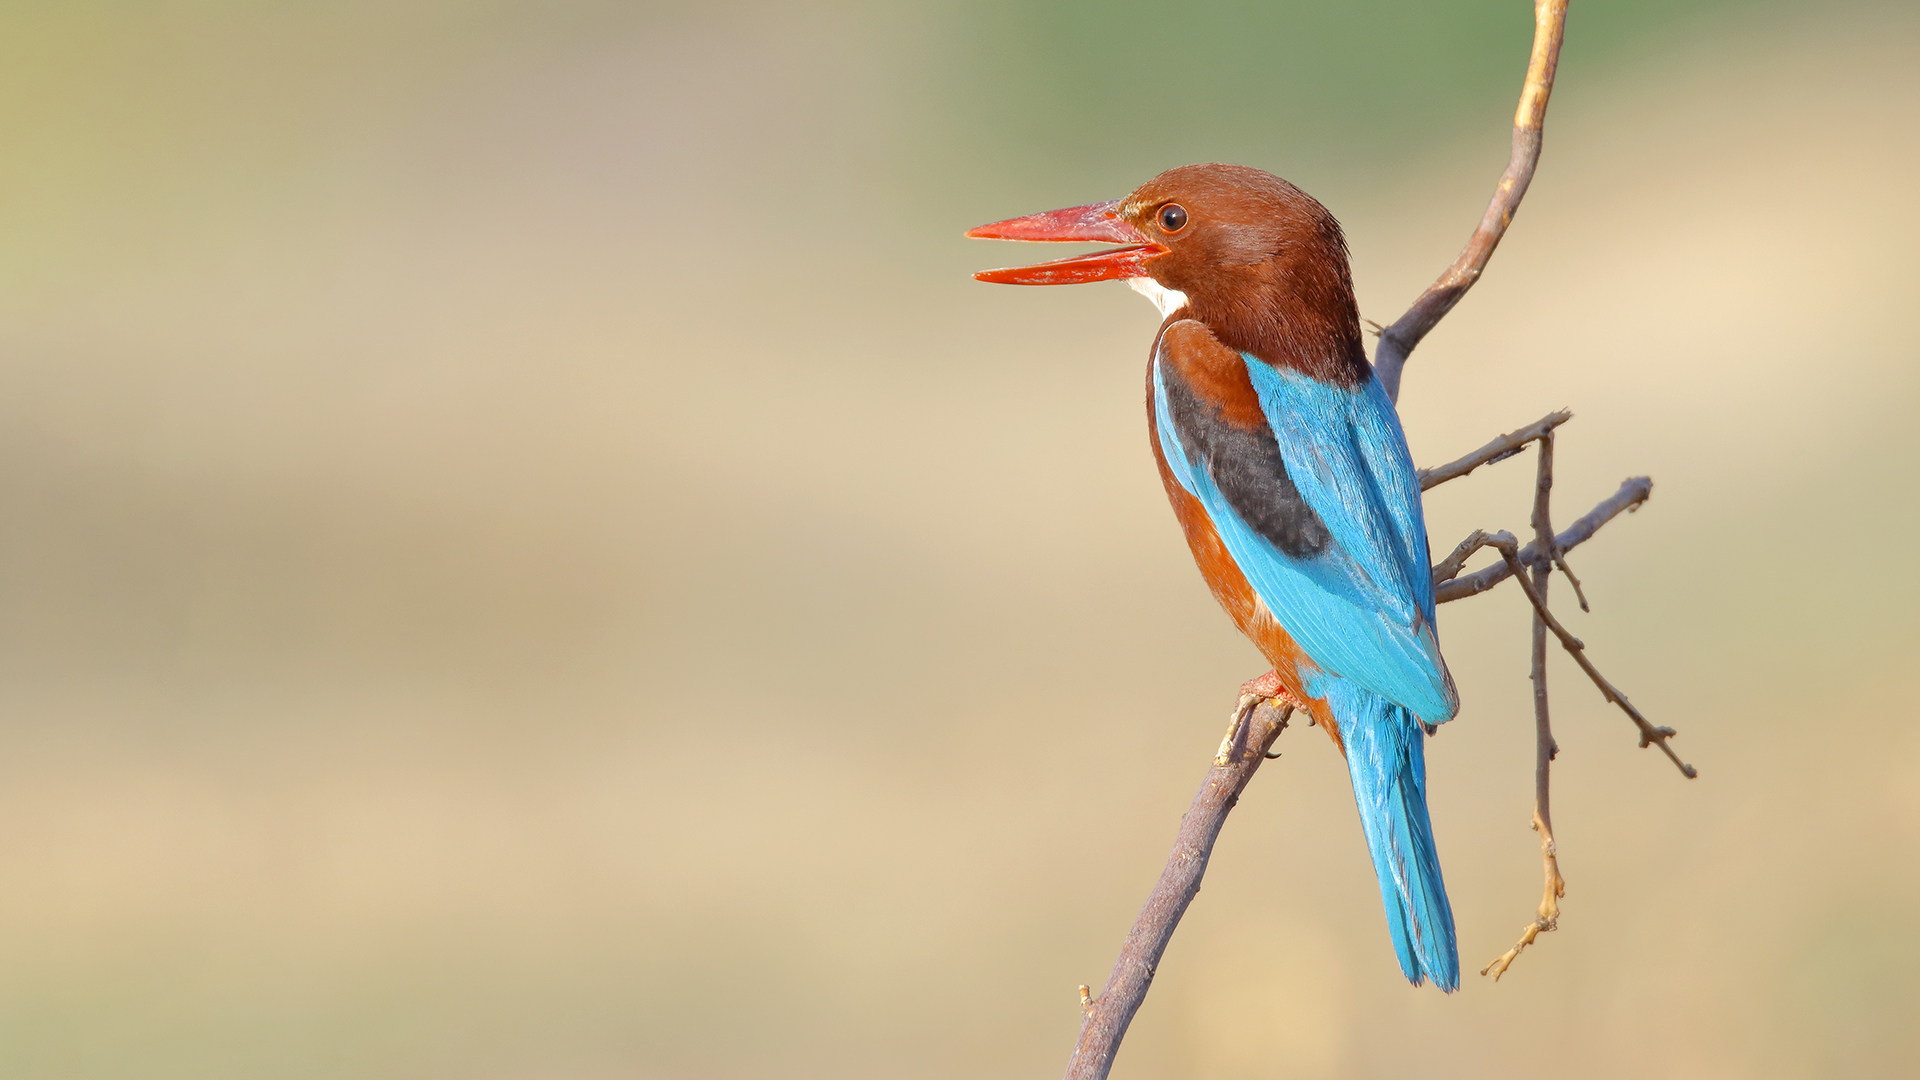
(523, 553)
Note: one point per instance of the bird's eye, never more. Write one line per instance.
(1173, 218)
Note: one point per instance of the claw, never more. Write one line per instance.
(1228, 744)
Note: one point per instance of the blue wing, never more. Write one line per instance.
(1362, 605)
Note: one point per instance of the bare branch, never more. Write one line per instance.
(1398, 340)
(1498, 450)
(1631, 494)
(1545, 748)
(1104, 1019)
(1509, 549)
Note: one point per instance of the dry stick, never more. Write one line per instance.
(1545, 748)
(1509, 550)
(1631, 494)
(1398, 340)
(1514, 558)
(1449, 568)
(1499, 449)
(1104, 1019)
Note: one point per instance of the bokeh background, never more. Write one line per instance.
(523, 554)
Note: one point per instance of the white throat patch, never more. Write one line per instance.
(1167, 300)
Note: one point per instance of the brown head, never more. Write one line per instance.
(1253, 258)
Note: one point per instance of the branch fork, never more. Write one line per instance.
(1513, 557)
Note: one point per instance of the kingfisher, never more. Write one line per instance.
(1290, 476)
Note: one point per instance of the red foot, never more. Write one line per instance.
(1269, 686)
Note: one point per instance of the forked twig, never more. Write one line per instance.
(1631, 494)
(1533, 567)
(1538, 560)
(1509, 549)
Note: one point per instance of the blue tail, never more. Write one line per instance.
(1389, 767)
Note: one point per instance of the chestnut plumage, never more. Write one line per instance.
(1290, 476)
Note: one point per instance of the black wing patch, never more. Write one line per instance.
(1248, 469)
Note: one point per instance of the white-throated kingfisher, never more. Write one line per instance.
(1286, 465)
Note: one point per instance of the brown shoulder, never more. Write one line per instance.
(1212, 372)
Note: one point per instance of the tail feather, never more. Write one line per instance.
(1387, 760)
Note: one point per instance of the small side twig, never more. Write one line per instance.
(1449, 568)
(1498, 450)
(1104, 1018)
(1560, 561)
(1398, 340)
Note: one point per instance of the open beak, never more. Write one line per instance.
(1099, 222)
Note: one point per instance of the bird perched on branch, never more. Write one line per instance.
(1286, 465)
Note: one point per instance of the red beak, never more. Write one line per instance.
(1100, 221)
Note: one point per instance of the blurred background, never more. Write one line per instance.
(523, 554)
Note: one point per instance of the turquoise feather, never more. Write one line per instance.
(1363, 611)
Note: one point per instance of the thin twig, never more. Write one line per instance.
(1509, 549)
(1631, 494)
(1104, 1019)
(1580, 594)
(1398, 340)
(1545, 748)
(1449, 568)
(1498, 450)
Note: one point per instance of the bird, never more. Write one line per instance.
(1290, 476)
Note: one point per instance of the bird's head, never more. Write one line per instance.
(1253, 257)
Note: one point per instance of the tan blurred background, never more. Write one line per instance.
(523, 554)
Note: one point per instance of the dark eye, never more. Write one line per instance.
(1173, 217)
